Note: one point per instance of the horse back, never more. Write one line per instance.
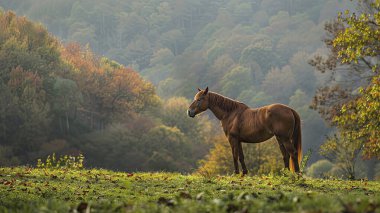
(260, 124)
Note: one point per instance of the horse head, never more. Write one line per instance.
(199, 104)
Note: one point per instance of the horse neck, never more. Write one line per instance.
(222, 106)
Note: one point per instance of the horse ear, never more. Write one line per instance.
(199, 89)
(206, 91)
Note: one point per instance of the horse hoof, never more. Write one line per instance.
(237, 172)
(245, 172)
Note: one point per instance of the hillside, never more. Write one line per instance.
(112, 80)
(27, 189)
(65, 99)
(255, 51)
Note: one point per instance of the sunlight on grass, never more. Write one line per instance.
(26, 190)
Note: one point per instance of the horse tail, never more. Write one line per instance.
(297, 141)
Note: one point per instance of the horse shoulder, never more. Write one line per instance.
(231, 123)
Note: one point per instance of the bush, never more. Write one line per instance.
(319, 169)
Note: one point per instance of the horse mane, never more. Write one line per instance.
(226, 104)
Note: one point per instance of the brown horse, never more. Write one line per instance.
(243, 124)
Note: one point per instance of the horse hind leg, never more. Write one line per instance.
(285, 154)
(293, 154)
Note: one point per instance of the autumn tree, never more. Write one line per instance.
(29, 120)
(54, 96)
(109, 89)
(354, 48)
(27, 45)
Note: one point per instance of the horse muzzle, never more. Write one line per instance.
(191, 113)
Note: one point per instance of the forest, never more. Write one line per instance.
(112, 80)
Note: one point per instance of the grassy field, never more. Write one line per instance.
(45, 190)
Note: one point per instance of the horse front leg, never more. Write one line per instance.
(241, 159)
(235, 152)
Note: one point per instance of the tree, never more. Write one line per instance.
(280, 83)
(174, 115)
(314, 128)
(260, 51)
(166, 87)
(303, 72)
(351, 40)
(218, 160)
(27, 45)
(7, 106)
(236, 80)
(168, 149)
(67, 100)
(360, 119)
(109, 90)
(197, 131)
(354, 44)
(139, 51)
(344, 152)
(162, 56)
(261, 99)
(30, 120)
(279, 23)
(242, 12)
(299, 99)
(262, 158)
(173, 40)
(320, 169)
(221, 65)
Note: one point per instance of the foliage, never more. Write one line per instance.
(320, 169)
(108, 88)
(359, 39)
(279, 91)
(235, 80)
(143, 146)
(63, 162)
(263, 158)
(219, 159)
(305, 160)
(360, 119)
(26, 189)
(68, 100)
(174, 115)
(353, 107)
(344, 152)
(255, 51)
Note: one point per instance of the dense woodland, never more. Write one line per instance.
(112, 80)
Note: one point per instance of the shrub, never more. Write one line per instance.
(319, 169)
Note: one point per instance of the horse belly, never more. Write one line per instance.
(256, 136)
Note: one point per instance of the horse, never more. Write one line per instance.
(242, 124)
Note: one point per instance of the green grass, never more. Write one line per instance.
(44, 190)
